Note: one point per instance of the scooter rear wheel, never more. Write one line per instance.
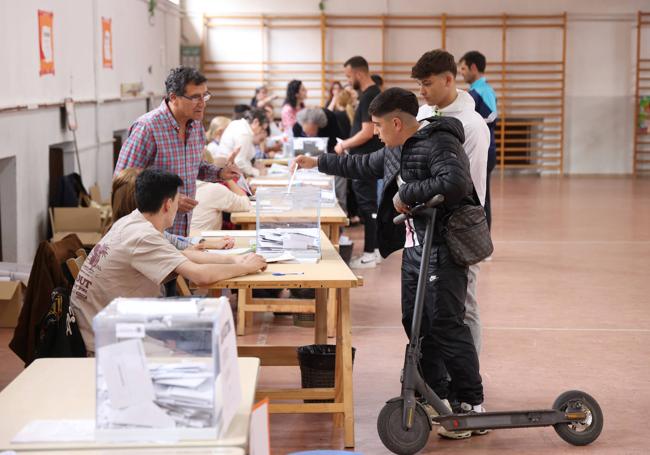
(394, 437)
(586, 431)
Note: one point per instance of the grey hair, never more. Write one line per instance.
(312, 115)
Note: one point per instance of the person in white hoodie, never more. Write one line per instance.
(435, 72)
(244, 134)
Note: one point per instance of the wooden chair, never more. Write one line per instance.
(74, 264)
(182, 288)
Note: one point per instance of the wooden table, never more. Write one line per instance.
(65, 389)
(330, 275)
(331, 220)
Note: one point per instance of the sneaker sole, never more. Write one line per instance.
(455, 435)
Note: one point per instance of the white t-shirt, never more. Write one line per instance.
(215, 149)
(477, 136)
(214, 198)
(239, 134)
(131, 260)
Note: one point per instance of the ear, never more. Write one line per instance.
(167, 206)
(397, 123)
(449, 79)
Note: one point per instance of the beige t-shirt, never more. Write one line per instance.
(214, 198)
(131, 260)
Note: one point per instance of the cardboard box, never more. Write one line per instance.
(86, 222)
(11, 301)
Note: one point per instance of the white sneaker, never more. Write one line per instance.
(444, 433)
(378, 257)
(366, 261)
(476, 409)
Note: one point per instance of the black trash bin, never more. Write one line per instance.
(317, 365)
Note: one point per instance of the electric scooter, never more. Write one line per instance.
(405, 422)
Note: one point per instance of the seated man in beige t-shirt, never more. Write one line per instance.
(134, 259)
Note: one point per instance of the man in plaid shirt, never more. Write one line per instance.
(172, 138)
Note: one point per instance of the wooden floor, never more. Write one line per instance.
(565, 305)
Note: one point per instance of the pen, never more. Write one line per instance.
(287, 273)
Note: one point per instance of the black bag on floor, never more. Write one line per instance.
(58, 332)
(467, 234)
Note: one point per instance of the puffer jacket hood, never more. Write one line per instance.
(439, 124)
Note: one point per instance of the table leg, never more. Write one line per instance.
(242, 295)
(331, 313)
(334, 234)
(321, 316)
(343, 373)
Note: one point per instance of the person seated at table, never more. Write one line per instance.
(244, 133)
(215, 131)
(239, 111)
(317, 122)
(262, 97)
(214, 199)
(134, 259)
(123, 203)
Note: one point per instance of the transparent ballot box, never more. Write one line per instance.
(288, 223)
(166, 369)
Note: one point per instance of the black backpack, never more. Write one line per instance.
(58, 334)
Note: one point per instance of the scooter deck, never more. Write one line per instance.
(507, 419)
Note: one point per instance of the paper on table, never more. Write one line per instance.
(228, 234)
(124, 368)
(286, 256)
(231, 251)
(56, 431)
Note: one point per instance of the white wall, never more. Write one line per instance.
(138, 44)
(601, 50)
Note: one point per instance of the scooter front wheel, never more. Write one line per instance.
(583, 432)
(394, 437)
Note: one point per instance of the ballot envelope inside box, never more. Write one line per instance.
(166, 369)
(288, 222)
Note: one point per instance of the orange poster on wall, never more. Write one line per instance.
(46, 42)
(107, 43)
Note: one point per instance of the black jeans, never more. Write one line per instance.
(365, 191)
(446, 339)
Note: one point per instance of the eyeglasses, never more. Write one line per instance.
(197, 98)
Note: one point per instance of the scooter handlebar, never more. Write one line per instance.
(433, 202)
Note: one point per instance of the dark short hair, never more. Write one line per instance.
(474, 58)
(357, 63)
(394, 99)
(153, 187)
(434, 63)
(179, 77)
(240, 110)
(377, 79)
(259, 114)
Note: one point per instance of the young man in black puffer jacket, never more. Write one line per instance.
(416, 164)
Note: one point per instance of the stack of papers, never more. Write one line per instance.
(185, 392)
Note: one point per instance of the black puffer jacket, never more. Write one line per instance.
(431, 162)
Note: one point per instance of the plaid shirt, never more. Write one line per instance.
(154, 142)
